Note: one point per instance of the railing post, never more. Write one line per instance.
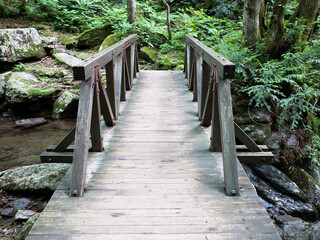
(80, 156)
(198, 86)
(228, 144)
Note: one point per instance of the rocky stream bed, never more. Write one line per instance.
(36, 81)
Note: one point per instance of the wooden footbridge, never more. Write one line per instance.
(152, 176)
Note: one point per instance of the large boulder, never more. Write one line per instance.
(149, 54)
(94, 37)
(256, 122)
(67, 59)
(167, 62)
(3, 80)
(282, 204)
(307, 183)
(34, 178)
(21, 43)
(279, 180)
(109, 41)
(294, 228)
(64, 105)
(23, 87)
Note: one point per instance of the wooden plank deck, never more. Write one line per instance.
(156, 179)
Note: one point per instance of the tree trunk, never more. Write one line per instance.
(307, 11)
(251, 22)
(131, 8)
(262, 17)
(168, 18)
(276, 29)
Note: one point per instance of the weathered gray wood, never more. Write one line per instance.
(207, 110)
(256, 157)
(117, 83)
(84, 70)
(215, 143)
(170, 190)
(245, 139)
(124, 79)
(197, 69)
(187, 63)
(191, 69)
(199, 83)
(56, 157)
(80, 156)
(106, 108)
(111, 88)
(228, 143)
(131, 63)
(243, 148)
(62, 146)
(203, 88)
(96, 131)
(129, 67)
(226, 69)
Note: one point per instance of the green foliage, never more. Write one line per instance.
(20, 67)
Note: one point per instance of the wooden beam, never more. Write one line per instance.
(56, 157)
(195, 79)
(245, 139)
(106, 108)
(228, 143)
(62, 146)
(256, 157)
(215, 143)
(243, 148)
(226, 69)
(84, 70)
(123, 84)
(96, 131)
(70, 148)
(203, 88)
(80, 156)
(207, 111)
(199, 83)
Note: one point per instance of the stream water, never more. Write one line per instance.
(23, 147)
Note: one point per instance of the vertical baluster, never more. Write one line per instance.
(228, 144)
(80, 156)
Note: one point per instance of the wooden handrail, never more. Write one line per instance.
(208, 76)
(121, 64)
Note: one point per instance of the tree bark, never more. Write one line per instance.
(307, 11)
(262, 17)
(251, 21)
(168, 18)
(131, 8)
(276, 29)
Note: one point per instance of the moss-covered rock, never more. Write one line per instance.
(167, 62)
(70, 42)
(67, 59)
(149, 54)
(21, 43)
(47, 71)
(34, 178)
(306, 183)
(109, 41)
(64, 105)
(23, 233)
(3, 80)
(258, 133)
(24, 87)
(94, 37)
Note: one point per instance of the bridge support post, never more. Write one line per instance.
(227, 136)
(80, 156)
